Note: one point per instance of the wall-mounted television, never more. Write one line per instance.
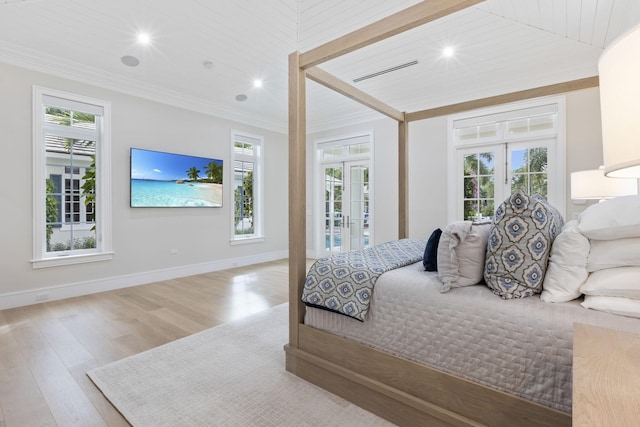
(168, 180)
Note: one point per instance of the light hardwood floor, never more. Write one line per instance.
(46, 349)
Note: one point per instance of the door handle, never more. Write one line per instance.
(348, 221)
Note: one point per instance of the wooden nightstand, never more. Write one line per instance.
(606, 377)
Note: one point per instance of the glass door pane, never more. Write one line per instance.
(346, 212)
(479, 185)
(333, 212)
(528, 169)
(358, 215)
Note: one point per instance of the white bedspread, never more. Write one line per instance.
(520, 346)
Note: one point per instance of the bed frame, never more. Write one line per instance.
(399, 390)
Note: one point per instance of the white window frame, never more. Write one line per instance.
(103, 250)
(556, 152)
(258, 187)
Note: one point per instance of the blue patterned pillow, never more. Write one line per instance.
(522, 233)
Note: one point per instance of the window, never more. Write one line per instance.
(495, 152)
(72, 221)
(247, 187)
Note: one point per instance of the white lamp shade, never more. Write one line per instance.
(593, 184)
(619, 68)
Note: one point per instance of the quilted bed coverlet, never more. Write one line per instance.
(344, 282)
(519, 346)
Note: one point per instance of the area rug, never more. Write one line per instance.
(230, 375)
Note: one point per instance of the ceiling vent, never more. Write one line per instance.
(388, 70)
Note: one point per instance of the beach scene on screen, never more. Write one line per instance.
(160, 179)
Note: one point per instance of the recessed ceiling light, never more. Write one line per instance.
(130, 61)
(448, 51)
(241, 97)
(144, 38)
(257, 83)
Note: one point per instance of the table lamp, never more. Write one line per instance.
(594, 185)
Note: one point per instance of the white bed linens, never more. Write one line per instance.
(520, 346)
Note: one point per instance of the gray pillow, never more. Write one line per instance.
(461, 254)
(522, 233)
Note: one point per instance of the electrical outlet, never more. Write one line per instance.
(42, 297)
(174, 251)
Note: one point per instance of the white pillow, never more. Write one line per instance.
(614, 282)
(461, 254)
(612, 219)
(614, 305)
(614, 253)
(566, 270)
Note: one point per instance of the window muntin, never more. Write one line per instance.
(533, 124)
(243, 197)
(529, 170)
(243, 148)
(334, 219)
(358, 146)
(72, 221)
(69, 118)
(528, 152)
(478, 132)
(71, 167)
(479, 185)
(246, 188)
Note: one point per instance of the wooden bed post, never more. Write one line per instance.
(297, 195)
(554, 89)
(397, 389)
(403, 178)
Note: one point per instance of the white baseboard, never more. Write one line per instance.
(41, 295)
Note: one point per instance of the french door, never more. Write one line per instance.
(346, 219)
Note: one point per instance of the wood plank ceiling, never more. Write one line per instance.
(500, 46)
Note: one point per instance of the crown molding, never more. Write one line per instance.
(42, 62)
(344, 120)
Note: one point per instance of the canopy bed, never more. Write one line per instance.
(394, 387)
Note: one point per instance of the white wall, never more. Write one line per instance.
(427, 176)
(584, 140)
(428, 165)
(142, 238)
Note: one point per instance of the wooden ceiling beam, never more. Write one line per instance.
(332, 82)
(414, 16)
(505, 98)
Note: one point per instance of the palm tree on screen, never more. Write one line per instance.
(193, 173)
(214, 172)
